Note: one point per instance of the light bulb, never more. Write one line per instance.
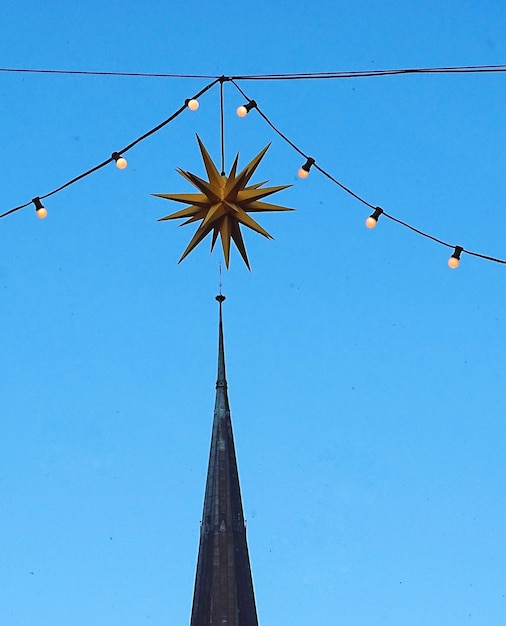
(454, 260)
(372, 220)
(40, 209)
(193, 104)
(121, 162)
(244, 109)
(304, 170)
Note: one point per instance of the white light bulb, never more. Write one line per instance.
(242, 111)
(302, 173)
(41, 213)
(121, 163)
(453, 262)
(370, 222)
(193, 104)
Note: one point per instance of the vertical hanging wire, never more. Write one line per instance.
(222, 127)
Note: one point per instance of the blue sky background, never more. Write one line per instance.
(366, 378)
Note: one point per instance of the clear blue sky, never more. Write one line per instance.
(366, 378)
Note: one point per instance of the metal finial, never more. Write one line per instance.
(221, 298)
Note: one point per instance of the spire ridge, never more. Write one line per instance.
(221, 380)
(223, 584)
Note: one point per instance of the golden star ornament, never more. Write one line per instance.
(223, 204)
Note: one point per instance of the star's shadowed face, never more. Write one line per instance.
(223, 204)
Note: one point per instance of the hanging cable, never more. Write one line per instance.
(222, 126)
(93, 73)
(462, 69)
(297, 149)
(117, 156)
(113, 156)
(356, 196)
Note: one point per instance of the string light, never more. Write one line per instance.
(40, 209)
(121, 162)
(244, 109)
(372, 220)
(304, 170)
(359, 198)
(192, 104)
(454, 260)
(94, 169)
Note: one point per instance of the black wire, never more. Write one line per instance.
(290, 143)
(464, 69)
(169, 119)
(221, 80)
(416, 230)
(92, 73)
(74, 180)
(123, 151)
(222, 128)
(17, 208)
(355, 195)
(484, 256)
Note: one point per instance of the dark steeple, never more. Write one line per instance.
(223, 585)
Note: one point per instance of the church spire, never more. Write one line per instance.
(223, 585)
